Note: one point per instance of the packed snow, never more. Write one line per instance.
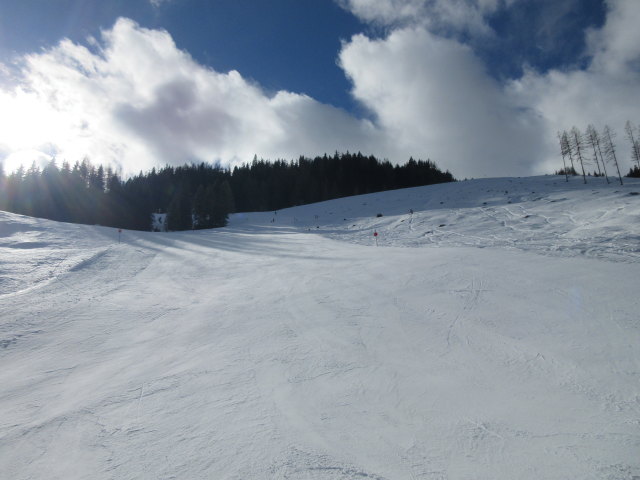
(493, 333)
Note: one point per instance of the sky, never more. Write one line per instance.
(478, 86)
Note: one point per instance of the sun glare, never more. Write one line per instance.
(27, 129)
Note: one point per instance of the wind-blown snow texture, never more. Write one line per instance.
(494, 334)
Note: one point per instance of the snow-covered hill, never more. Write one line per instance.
(493, 334)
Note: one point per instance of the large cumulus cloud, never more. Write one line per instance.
(433, 96)
(135, 100)
(429, 89)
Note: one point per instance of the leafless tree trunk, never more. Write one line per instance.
(563, 151)
(577, 145)
(609, 150)
(567, 148)
(593, 139)
(635, 145)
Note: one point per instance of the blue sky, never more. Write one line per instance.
(479, 86)
(281, 44)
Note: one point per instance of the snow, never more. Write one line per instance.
(500, 345)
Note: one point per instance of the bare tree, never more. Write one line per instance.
(564, 150)
(578, 146)
(609, 149)
(566, 146)
(635, 144)
(593, 139)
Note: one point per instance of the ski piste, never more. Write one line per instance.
(491, 335)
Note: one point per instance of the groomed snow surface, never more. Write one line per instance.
(493, 334)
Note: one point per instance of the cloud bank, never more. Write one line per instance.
(432, 91)
(136, 101)
(133, 99)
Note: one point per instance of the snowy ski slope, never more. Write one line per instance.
(493, 334)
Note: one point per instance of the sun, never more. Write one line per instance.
(28, 128)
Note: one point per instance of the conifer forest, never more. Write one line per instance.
(201, 195)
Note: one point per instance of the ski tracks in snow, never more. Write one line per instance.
(270, 352)
(471, 297)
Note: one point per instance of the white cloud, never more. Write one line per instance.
(433, 94)
(606, 92)
(616, 46)
(434, 98)
(158, 3)
(137, 101)
(453, 16)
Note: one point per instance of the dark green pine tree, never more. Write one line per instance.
(52, 190)
(114, 208)
(179, 212)
(218, 217)
(201, 214)
(225, 197)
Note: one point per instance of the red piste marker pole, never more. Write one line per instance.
(375, 235)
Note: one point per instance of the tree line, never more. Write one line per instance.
(200, 195)
(595, 148)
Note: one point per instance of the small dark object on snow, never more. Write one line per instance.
(378, 215)
(442, 225)
(484, 203)
(634, 193)
(441, 203)
(527, 216)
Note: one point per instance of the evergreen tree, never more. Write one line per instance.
(179, 212)
(52, 188)
(201, 214)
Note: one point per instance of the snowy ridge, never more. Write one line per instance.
(501, 345)
(542, 214)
